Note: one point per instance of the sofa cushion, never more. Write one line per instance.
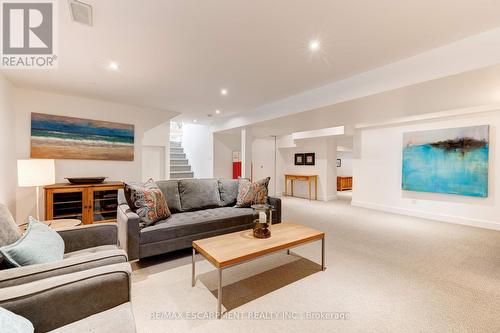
(147, 201)
(228, 189)
(192, 223)
(199, 194)
(170, 189)
(252, 193)
(73, 262)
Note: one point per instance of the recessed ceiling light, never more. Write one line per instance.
(223, 92)
(195, 120)
(217, 111)
(314, 45)
(113, 66)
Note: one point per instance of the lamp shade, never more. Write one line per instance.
(35, 172)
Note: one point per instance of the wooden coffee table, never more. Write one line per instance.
(238, 247)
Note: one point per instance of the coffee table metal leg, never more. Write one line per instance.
(288, 251)
(219, 295)
(323, 254)
(193, 279)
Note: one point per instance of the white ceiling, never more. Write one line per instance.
(178, 54)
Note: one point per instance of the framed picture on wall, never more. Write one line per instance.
(339, 162)
(310, 159)
(299, 159)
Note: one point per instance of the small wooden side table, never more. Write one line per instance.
(56, 224)
(63, 223)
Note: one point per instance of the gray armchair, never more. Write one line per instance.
(86, 247)
(93, 300)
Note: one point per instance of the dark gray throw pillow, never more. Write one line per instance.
(228, 189)
(170, 189)
(199, 193)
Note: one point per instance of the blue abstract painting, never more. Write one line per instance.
(453, 161)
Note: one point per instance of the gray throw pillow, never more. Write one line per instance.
(12, 323)
(9, 230)
(228, 189)
(199, 194)
(39, 244)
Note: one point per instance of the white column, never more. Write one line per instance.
(331, 170)
(246, 153)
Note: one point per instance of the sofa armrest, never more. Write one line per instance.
(82, 261)
(87, 236)
(55, 302)
(128, 231)
(276, 203)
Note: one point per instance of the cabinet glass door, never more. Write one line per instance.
(105, 203)
(68, 205)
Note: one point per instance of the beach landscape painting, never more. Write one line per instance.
(453, 161)
(61, 137)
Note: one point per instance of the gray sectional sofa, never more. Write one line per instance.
(200, 208)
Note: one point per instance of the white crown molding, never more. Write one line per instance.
(429, 116)
(467, 54)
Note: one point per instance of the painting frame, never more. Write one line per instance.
(309, 159)
(63, 137)
(452, 161)
(299, 159)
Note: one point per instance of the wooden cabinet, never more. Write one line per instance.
(93, 203)
(344, 183)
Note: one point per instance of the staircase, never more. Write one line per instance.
(179, 164)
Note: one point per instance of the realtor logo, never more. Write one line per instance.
(28, 34)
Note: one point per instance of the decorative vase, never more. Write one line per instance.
(262, 225)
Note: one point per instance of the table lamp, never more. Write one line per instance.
(36, 173)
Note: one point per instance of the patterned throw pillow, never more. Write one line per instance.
(252, 193)
(147, 201)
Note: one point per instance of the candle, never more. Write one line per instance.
(262, 217)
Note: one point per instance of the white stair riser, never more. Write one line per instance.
(180, 168)
(181, 175)
(179, 162)
(177, 156)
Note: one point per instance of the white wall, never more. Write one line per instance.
(263, 161)
(377, 175)
(156, 153)
(223, 146)
(8, 169)
(197, 144)
(324, 158)
(346, 165)
(28, 101)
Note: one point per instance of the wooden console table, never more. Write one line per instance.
(89, 203)
(344, 183)
(307, 178)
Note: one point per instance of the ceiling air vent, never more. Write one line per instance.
(80, 12)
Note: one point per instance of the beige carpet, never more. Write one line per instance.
(390, 273)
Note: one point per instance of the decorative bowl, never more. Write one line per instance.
(85, 180)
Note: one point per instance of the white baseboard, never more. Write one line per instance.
(486, 224)
(320, 197)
